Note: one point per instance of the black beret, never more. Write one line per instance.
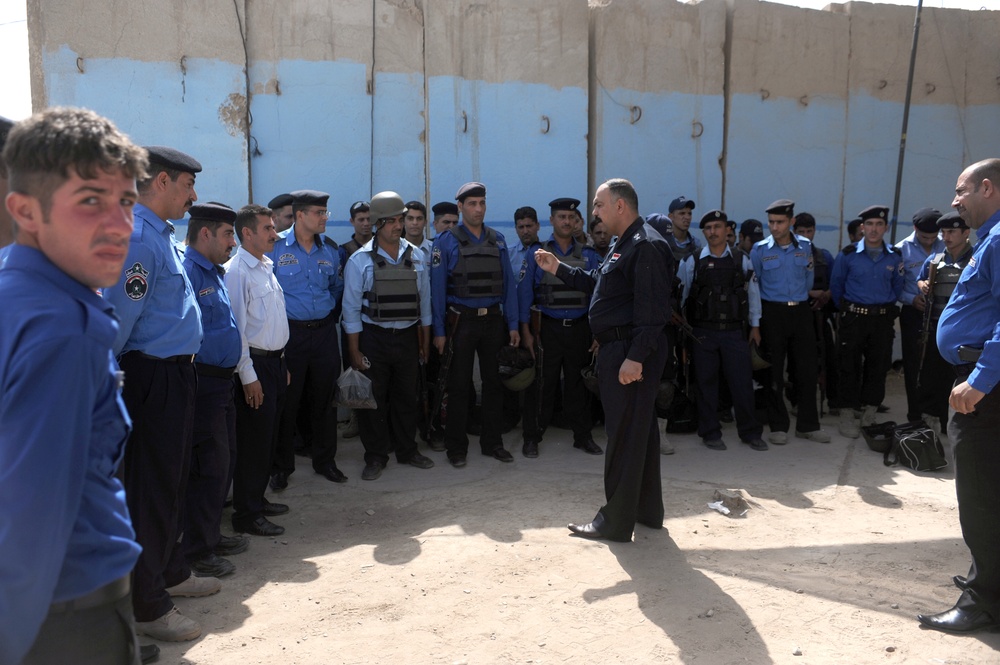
(874, 212)
(470, 189)
(926, 219)
(280, 201)
(5, 126)
(360, 206)
(731, 224)
(444, 208)
(213, 212)
(712, 216)
(309, 197)
(804, 220)
(564, 204)
(951, 220)
(161, 155)
(752, 229)
(680, 202)
(781, 207)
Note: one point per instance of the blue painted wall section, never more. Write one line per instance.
(398, 161)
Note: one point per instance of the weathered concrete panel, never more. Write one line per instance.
(308, 30)
(658, 74)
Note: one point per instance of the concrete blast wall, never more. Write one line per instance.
(732, 103)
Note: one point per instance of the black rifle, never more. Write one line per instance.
(925, 328)
(449, 351)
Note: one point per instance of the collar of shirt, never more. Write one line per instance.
(31, 259)
(706, 251)
(555, 244)
(403, 244)
(162, 227)
(861, 248)
(252, 261)
(196, 256)
(769, 241)
(990, 227)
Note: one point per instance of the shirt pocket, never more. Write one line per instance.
(214, 313)
(259, 295)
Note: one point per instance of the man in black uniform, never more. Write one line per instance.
(628, 313)
(281, 212)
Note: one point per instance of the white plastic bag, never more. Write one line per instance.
(354, 391)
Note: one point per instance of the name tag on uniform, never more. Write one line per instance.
(206, 292)
(324, 262)
(614, 257)
(287, 260)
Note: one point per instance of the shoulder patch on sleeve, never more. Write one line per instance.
(136, 284)
(436, 257)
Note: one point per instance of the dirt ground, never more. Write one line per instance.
(476, 565)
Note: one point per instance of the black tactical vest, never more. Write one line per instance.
(478, 272)
(351, 246)
(718, 298)
(553, 293)
(821, 271)
(680, 253)
(945, 279)
(393, 296)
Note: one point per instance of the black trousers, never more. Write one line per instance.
(632, 460)
(394, 356)
(256, 438)
(160, 397)
(865, 352)
(910, 322)
(313, 359)
(213, 455)
(728, 351)
(566, 353)
(977, 463)
(481, 336)
(789, 332)
(102, 635)
(934, 387)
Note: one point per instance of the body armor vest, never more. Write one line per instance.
(680, 253)
(478, 272)
(393, 296)
(821, 271)
(553, 293)
(718, 298)
(945, 279)
(351, 246)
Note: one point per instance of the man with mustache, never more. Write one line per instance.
(67, 541)
(159, 335)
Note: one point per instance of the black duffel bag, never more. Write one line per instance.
(915, 446)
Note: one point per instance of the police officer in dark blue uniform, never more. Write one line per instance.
(281, 212)
(783, 266)
(866, 282)
(969, 338)
(67, 540)
(628, 312)
(160, 334)
(308, 270)
(937, 285)
(721, 298)
(474, 301)
(210, 238)
(558, 314)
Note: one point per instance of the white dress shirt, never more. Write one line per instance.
(258, 306)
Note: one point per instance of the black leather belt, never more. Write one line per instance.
(612, 334)
(108, 593)
(215, 371)
(967, 354)
(565, 323)
(869, 310)
(475, 311)
(263, 353)
(315, 323)
(186, 359)
(388, 331)
(785, 303)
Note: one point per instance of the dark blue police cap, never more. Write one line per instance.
(280, 201)
(564, 204)
(470, 189)
(752, 229)
(926, 219)
(5, 126)
(951, 220)
(874, 212)
(309, 197)
(213, 212)
(781, 207)
(171, 158)
(444, 208)
(712, 216)
(680, 202)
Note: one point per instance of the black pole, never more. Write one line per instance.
(906, 120)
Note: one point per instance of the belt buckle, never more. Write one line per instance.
(568, 323)
(791, 303)
(482, 311)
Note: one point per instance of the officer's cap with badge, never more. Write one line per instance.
(280, 201)
(309, 197)
(752, 229)
(874, 212)
(926, 219)
(470, 189)
(171, 158)
(784, 207)
(213, 212)
(444, 208)
(951, 220)
(564, 204)
(680, 202)
(712, 216)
